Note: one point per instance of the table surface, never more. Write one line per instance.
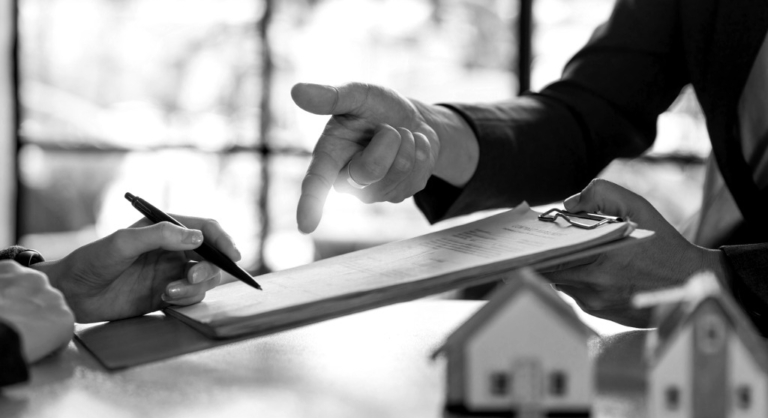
(371, 364)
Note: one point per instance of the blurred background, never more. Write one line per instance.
(187, 103)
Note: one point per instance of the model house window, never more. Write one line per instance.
(500, 383)
(711, 333)
(672, 398)
(558, 383)
(743, 397)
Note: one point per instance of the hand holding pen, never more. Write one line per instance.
(139, 269)
(205, 250)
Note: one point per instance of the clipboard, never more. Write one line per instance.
(154, 337)
(127, 343)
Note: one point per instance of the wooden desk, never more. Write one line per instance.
(372, 364)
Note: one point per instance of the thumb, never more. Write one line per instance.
(601, 196)
(329, 100)
(132, 242)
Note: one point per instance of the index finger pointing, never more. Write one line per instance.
(329, 100)
(322, 172)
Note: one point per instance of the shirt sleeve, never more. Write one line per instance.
(13, 368)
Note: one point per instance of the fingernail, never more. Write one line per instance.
(174, 292)
(198, 276)
(193, 236)
(421, 155)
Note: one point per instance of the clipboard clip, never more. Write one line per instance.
(553, 214)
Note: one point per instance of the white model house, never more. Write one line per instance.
(524, 352)
(707, 359)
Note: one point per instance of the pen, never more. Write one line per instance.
(205, 250)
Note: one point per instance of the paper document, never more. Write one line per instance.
(461, 256)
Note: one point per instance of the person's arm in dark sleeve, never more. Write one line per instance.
(13, 368)
(748, 265)
(544, 147)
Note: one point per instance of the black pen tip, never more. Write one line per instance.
(252, 283)
(246, 278)
(130, 197)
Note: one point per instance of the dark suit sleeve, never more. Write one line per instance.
(13, 368)
(749, 285)
(544, 147)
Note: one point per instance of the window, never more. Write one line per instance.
(500, 383)
(711, 333)
(672, 398)
(558, 383)
(185, 103)
(743, 397)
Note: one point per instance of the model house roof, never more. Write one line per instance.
(683, 314)
(518, 281)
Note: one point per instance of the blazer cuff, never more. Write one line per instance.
(436, 199)
(13, 368)
(750, 286)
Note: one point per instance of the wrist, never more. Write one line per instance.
(50, 269)
(459, 150)
(59, 276)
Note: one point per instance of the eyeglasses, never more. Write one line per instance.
(553, 214)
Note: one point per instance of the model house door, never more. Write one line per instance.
(527, 384)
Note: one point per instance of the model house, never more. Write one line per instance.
(706, 358)
(524, 352)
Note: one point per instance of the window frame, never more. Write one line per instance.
(264, 149)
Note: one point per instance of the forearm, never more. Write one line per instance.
(52, 269)
(59, 274)
(62, 277)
